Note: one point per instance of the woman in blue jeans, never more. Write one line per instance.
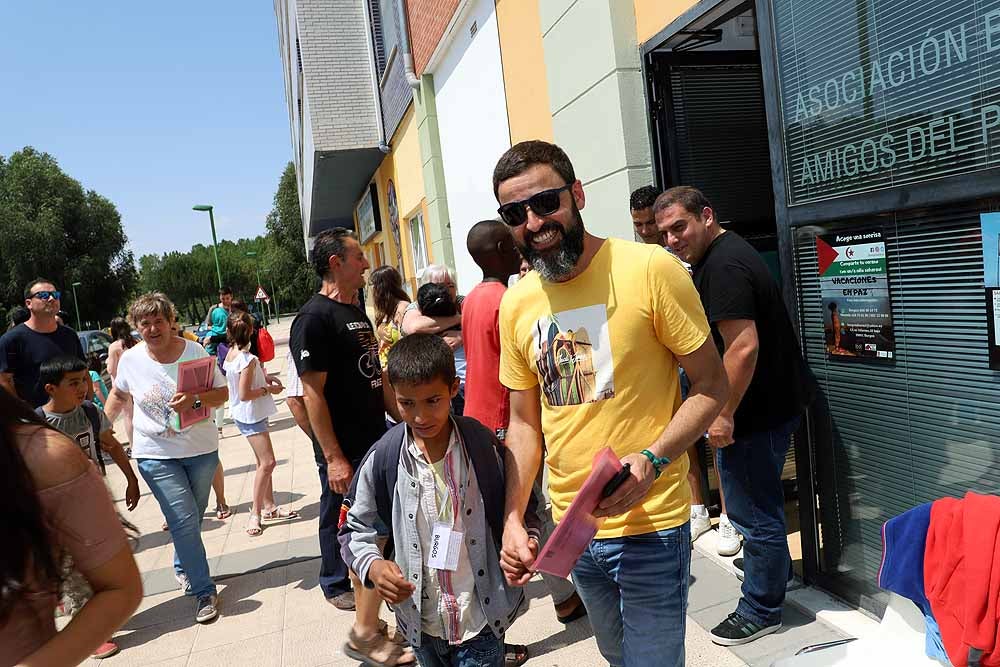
(177, 463)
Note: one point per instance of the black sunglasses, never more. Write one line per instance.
(45, 295)
(546, 202)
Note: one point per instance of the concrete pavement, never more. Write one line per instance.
(273, 613)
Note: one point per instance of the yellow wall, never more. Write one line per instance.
(404, 167)
(652, 16)
(523, 59)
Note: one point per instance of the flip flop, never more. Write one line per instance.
(222, 512)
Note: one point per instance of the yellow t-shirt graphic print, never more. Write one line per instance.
(570, 349)
(603, 348)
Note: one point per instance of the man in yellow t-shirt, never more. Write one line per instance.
(590, 345)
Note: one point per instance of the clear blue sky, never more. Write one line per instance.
(155, 105)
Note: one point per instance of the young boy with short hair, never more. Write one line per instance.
(66, 380)
(437, 482)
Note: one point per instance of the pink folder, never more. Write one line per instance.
(579, 525)
(195, 376)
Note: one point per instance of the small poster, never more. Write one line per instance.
(854, 286)
(990, 223)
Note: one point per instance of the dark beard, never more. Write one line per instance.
(558, 264)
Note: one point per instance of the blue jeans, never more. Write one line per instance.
(181, 488)
(750, 472)
(334, 577)
(635, 589)
(483, 650)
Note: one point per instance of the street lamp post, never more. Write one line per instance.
(76, 305)
(253, 253)
(215, 242)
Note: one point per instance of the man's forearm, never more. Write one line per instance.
(703, 404)
(322, 427)
(740, 362)
(522, 457)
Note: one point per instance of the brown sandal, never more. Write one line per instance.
(362, 650)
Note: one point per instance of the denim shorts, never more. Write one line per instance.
(252, 429)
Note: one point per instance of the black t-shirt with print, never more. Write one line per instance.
(23, 351)
(338, 339)
(735, 284)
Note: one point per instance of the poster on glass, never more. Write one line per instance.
(990, 223)
(854, 287)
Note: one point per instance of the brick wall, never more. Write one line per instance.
(428, 20)
(338, 80)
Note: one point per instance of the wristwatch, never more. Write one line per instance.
(197, 402)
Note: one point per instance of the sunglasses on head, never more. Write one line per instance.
(45, 295)
(546, 202)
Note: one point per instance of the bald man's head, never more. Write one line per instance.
(490, 244)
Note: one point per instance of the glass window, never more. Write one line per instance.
(418, 244)
(887, 92)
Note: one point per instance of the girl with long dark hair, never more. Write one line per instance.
(58, 506)
(390, 304)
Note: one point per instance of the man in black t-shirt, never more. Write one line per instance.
(335, 350)
(768, 392)
(27, 346)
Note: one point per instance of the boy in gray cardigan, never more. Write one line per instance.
(434, 486)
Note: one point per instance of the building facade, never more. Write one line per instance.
(856, 146)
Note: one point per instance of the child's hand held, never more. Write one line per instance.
(389, 582)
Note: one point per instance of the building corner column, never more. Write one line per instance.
(598, 104)
(438, 221)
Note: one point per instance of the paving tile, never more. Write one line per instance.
(250, 606)
(315, 644)
(710, 586)
(304, 601)
(171, 608)
(169, 639)
(264, 650)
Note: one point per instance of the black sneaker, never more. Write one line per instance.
(736, 630)
(208, 608)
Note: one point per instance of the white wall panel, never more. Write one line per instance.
(472, 119)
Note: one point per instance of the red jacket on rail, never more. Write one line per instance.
(962, 576)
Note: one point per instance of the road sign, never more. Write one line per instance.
(261, 294)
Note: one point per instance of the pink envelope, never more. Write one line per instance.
(195, 375)
(579, 525)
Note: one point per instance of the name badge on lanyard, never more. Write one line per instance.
(445, 545)
(446, 542)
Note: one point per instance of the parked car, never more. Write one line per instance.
(95, 345)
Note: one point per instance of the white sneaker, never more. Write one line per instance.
(700, 524)
(730, 541)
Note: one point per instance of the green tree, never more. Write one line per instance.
(285, 248)
(50, 226)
